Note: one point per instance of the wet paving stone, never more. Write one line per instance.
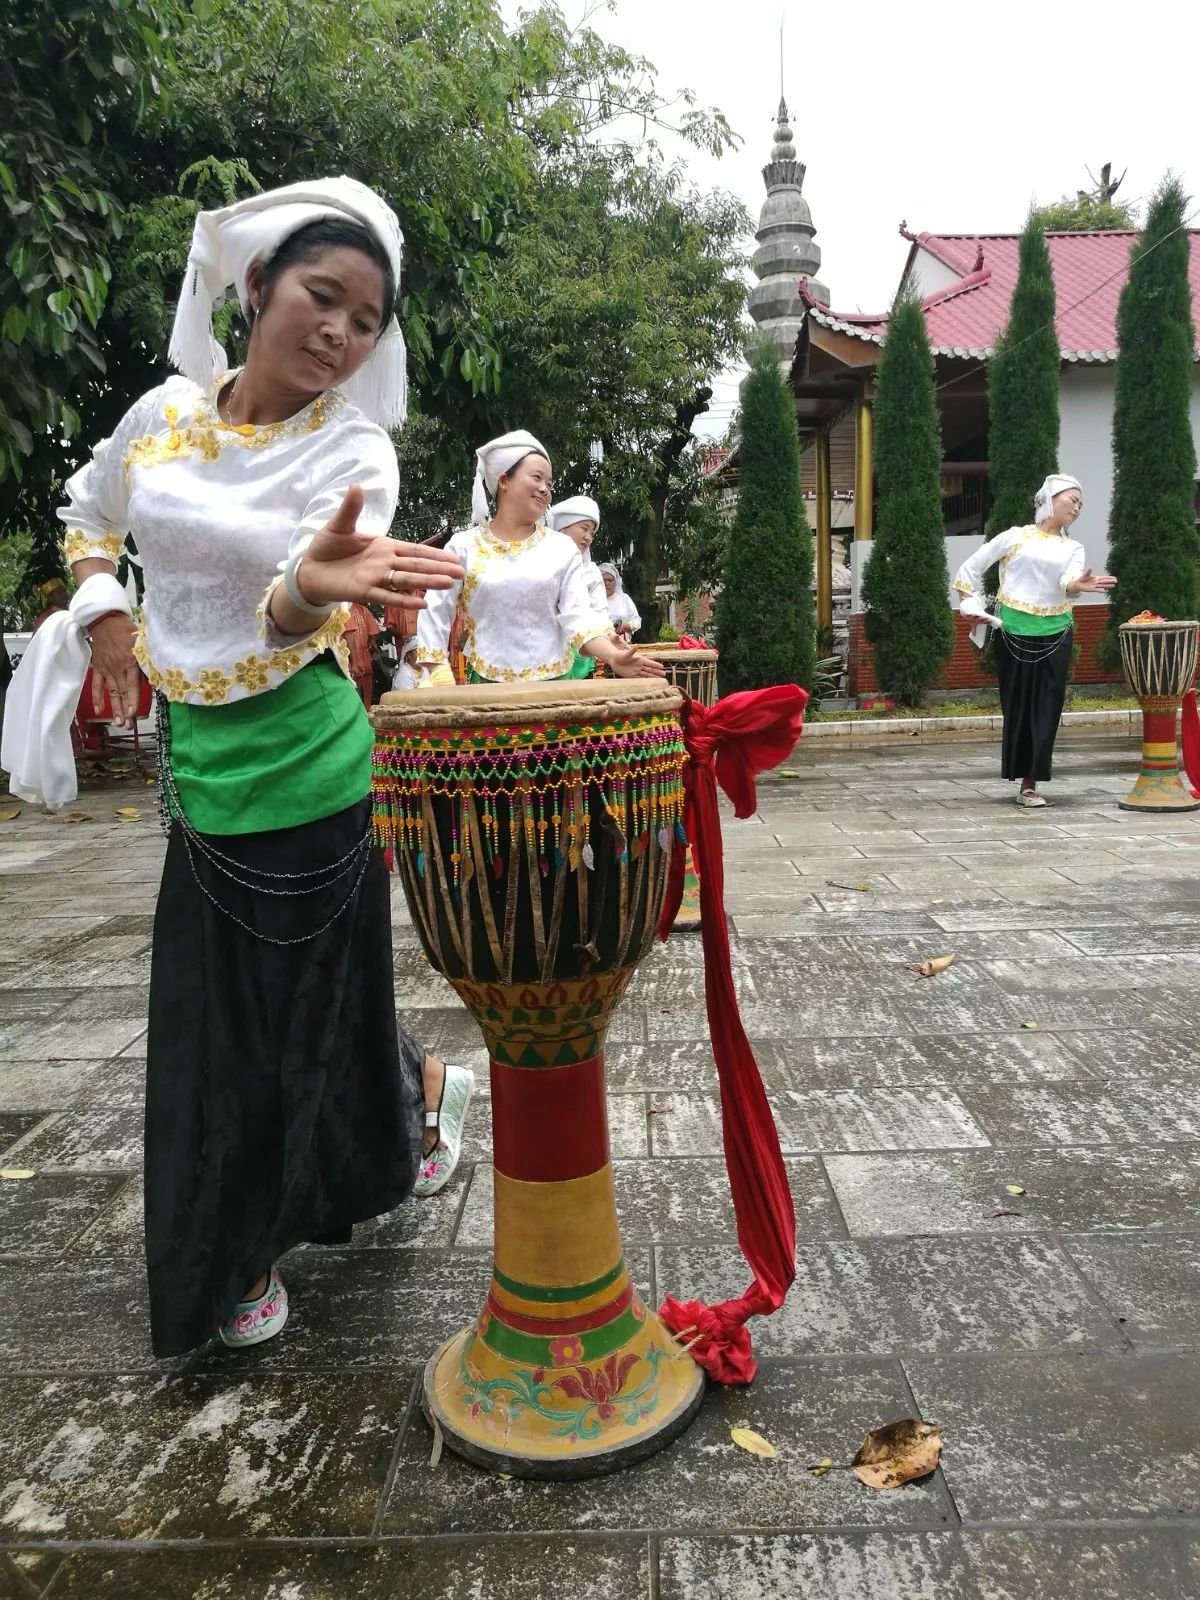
(1066, 1564)
(42, 1215)
(1086, 1113)
(528, 1568)
(42, 1085)
(872, 1297)
(14, 1126)
(224, 1455)
(807, 1409)
(826, 1119)
(1074, 1189)
(1066, 1438)
(85, 1141)
(1150, 1282)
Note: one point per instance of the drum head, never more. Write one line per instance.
(478, 705)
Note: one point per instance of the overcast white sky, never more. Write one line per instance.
(953, 117)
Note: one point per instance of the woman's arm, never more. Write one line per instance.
(968, 580)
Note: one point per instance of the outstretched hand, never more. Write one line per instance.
(1089, 582)
(343, 564)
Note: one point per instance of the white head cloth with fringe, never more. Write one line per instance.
(225, 245)
(493, 460)
(1056, 483)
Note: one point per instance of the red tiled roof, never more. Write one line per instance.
(966, 318)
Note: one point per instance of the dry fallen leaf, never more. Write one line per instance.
(1004, 1213)
(9, 812)
(1030, 1025)
(787, 772)
(1014, 1188)
(129, 813)
(435, 1455)
(940, 902)
(16, 1172)
(747, 1439)
(820, 1468)
(897, 1453)
(75, 816)
(862, 888)
(930, 969)
(661, 1111)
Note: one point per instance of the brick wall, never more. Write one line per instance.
(964, 672)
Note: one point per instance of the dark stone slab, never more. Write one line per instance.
(955, 1191)
(1140, 1053)
(72, 1316)
(878, 1297)
(42, 1085)
(926, 1117)
(1030, 976)
(92, 968)
(675, 1201)
(1022, 1057)
(40, 1216)
(225, 1455)
(1086, 1113)
(1066, 1564)
(1150, 1282)
(121, 1083)
(86, 1141)
(808, 1410)
(1070, 1438)
(14, 1126)
(119, 1228)
(529, 1568)
(72, 1035)
(1139, 939)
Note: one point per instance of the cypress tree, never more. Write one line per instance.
(906, 584)
(1152, 537)
(766, 616)
(1023, 391)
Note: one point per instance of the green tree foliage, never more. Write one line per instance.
(73, 79)
(525, 215)
(905, 586)
(1086, 213)
(1153, 547)
(766, 617)
(1023, 390)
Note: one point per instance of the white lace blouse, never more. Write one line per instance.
(215, 512)
(525, 607)
(1035, 569)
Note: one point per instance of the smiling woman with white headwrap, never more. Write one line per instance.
(1041, 571)
(524, 602)
(281, 1104)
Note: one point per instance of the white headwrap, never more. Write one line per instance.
(227, 243)
(582, 508)
(1043, 505)
(607, 568)
(493, 460)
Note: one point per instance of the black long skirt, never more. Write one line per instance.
(282, 1102)
(1032, 692)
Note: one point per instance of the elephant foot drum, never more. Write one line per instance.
(694, 673)
(532, 827)
(1159, 659)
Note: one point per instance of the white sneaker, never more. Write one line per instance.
(1031, 800)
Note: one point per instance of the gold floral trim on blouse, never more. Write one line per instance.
(81, 546)
(1003, 599)
(252, 673)
(209, 436)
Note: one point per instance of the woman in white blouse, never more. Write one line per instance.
(524, 601)
(282, 1103)
(1041, 572)
(624, 615)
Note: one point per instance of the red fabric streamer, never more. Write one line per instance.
(688, 641)
(1191, 742)
(728, 744)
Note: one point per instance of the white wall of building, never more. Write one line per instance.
(1085, 451)
(928, 274)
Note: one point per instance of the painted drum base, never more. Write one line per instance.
(1159, 786)
(688, 915)
(506, 1417)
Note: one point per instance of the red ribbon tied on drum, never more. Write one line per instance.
(729, 744)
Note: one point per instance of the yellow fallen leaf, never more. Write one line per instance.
(897, 1453)
(129, 813)
(1032, 1026)
(820, 1468)
(1014, 1188)
(75, 816)
(16, 1172)
(941, 902)
(862, 888)
(787, 772)
(930, 969)
(9, 812)
(747, 1439)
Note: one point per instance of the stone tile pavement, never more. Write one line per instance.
(1059, 1347)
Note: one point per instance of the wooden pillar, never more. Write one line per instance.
(824, 534)
(864, 471)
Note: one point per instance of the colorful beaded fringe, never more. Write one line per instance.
(539, 774)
